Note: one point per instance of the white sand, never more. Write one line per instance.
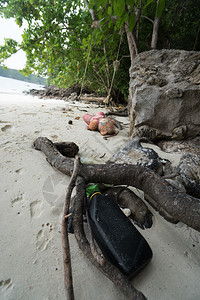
(31, 200)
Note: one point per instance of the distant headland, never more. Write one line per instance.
(15, 74)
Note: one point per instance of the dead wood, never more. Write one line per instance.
(109, 136)
(92, 99)
(126, 198)
(107, 269)
(179, 205)
(161, 210)
(120, 280)
(54, 157)
(123, 112)
(65, 241)
(68, 149)
(59, 93)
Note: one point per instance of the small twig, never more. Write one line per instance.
(109, 136)
(102, 155)
(85, 110)
(145, 17)
(196, 39)
(65, 241)
(67, 216)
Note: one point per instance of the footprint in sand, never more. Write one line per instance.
(36, 209)
(4, 121)
(37, 131)
(44, 236)
(18, 198)
(6, 284)
(54, 190)
(29, 114)
(19, 171)
(54, 136)
(7, 128)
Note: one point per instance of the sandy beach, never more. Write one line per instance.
(31, 200)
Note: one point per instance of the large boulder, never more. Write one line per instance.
(165, 94)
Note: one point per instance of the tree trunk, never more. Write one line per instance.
(155, 33)
(90, 10)
(132, 44)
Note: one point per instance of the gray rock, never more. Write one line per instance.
(133, 153)
(165, 94)
(189, 170)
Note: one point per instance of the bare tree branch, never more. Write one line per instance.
(145, 17)
(196, 39)
(65, 241)
(179, 205)
(90, 10)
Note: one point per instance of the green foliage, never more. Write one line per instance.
(180, 25)
(9, 48)
(124, 11)
(59, 36)
(160, 8)
(131, 21)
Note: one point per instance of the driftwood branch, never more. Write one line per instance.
(124, 197)
(107, 269)
(179, 205)
(54, 157)
(123, 112)
(120, 280)
(65, 241)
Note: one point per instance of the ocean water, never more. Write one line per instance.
(17, 87)
(12, 91)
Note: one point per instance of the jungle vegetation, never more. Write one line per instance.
(63, 37)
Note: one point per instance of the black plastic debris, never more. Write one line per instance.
(119, 240)
(70, 228)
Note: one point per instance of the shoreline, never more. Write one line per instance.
(32, 195)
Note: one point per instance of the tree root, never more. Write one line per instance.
(161, 210)
(67, 149)
(179, 205)
(140, 213)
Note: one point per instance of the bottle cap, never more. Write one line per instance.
(94, 194)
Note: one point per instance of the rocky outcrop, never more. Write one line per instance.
(70, 93)
(185, 176)
(165, 95)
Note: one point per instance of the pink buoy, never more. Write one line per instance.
(95, 119)
(87, 118)
(100, 114)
